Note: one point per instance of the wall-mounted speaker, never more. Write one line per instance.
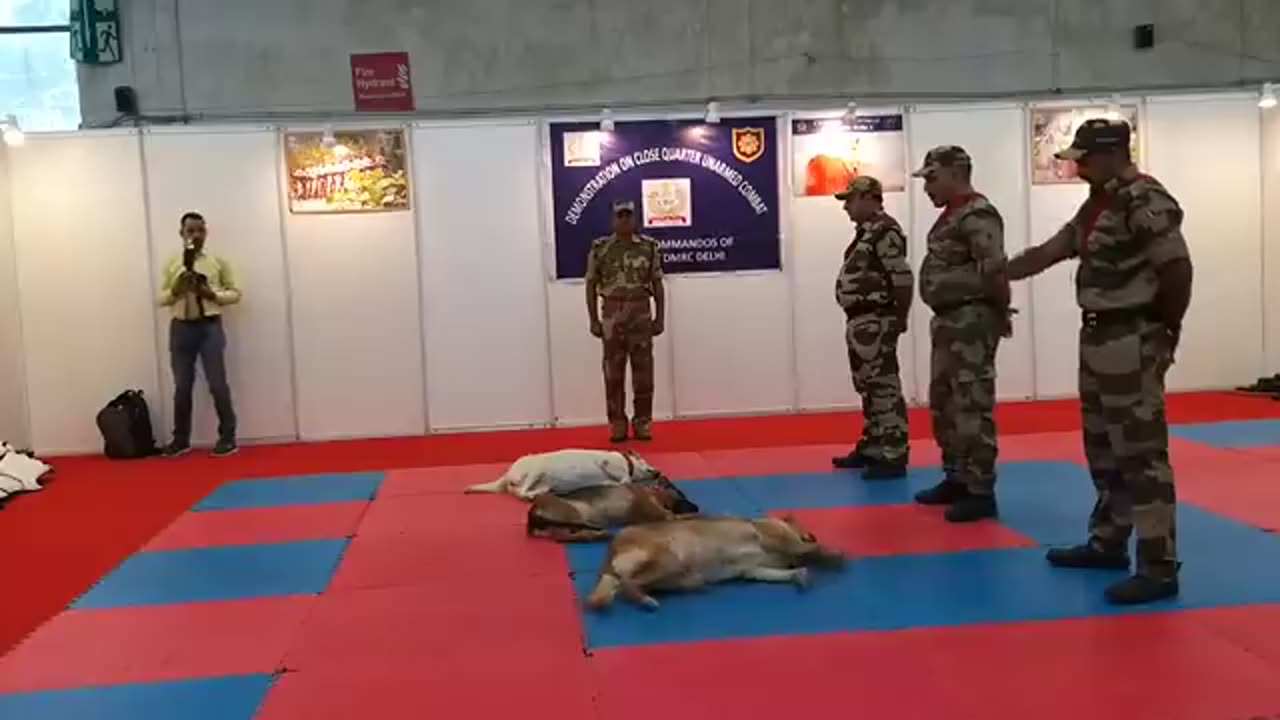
(126, 100)
(1144, 37)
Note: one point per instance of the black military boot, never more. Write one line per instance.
(971, 508)
(857, 458)
(1088, 557)
(885, 470)
(944, 493)
(1142, 589)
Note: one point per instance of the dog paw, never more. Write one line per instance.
(801, 578)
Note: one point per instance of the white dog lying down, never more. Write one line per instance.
(686, 554)
(564, 471)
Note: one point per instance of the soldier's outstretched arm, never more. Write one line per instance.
(1038, 258)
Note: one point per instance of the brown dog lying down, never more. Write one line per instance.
(585, 515)
(687, 554)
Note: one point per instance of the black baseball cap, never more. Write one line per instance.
(1096, 135)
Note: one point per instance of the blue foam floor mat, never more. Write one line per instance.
(296, 490)
(1231, 434)
(217, 573)
(1046, 501)
(224, 698)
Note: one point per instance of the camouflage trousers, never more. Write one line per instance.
(1126, 440)
(872, 341)
(962, 393)
(628, 336)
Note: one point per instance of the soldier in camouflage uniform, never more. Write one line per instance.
(963, 280)
(874, 289)
(1133, 286)
(625, 305)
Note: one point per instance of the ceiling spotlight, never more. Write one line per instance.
(328, 140)
(851, 113)
(713, 112)
(606, 120)
(1268, 98)
(13, 134)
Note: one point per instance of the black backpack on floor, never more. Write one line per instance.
(125, 424)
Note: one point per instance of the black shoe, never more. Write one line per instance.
(944, 493)
(225, 448)
(176, 449)
(1088, 557)
(1140, 589)
(853, 461)
(884, 471)
(971, 508)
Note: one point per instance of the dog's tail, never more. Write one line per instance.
(606, 589)
(496, 486)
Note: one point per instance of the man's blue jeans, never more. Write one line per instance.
(203, 339)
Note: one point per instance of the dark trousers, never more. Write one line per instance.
(206, 340)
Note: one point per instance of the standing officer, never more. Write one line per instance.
(1133, 287)
(874, 289)
(963, 280)
(625, 270)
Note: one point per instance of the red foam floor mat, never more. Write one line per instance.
(449, 479)
(1255, 628)
(162, 642)
(900, 530)
(434, 515)
(1148, 666)
(421, 627)
(449, 557)
(285, 523)
(79, 542)
(505, 684)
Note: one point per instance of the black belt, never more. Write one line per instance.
(1093, 318)
(200, 320)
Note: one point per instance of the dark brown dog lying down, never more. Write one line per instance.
(586, 515)
(687, 554)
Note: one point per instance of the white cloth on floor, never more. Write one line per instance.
(25, 471)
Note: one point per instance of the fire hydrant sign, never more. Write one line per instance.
(380, 82)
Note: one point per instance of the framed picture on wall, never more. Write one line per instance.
(829, 152)
(346, 171)
(1053, 129)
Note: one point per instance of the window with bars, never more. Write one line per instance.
(37, 75)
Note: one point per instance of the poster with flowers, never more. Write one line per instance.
(347, 171)
(829, 153)
(1053, 129)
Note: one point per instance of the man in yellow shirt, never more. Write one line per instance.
(196, 286)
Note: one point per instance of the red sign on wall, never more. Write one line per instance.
(380, 81)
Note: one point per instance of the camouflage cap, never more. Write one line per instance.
(623, 205)
(943, 156)
(1096, 135)
(864, 185)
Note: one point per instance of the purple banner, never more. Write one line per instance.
(707, 193)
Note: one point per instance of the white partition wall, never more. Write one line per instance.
(576, 357)
(13, 391)
(1206, 151)
(995, 137)
(820, 232)
(483, 294)
(194, 171)
(88, 310)
(732, 341)
(1271, 239)
(357, 332)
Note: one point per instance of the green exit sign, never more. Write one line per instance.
(95, 32)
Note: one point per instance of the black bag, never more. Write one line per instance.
(125, 424)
